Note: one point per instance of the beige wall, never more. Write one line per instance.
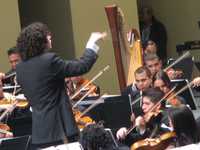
(89, 16)
(180, 18)
(10, 27)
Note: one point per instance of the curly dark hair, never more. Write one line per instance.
(32, 40)
(95, 137)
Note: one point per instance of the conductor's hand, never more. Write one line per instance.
(94, 37)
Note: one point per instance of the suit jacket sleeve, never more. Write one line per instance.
(76, 67)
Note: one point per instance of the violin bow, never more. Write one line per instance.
(177, 61)
(97, 102)
(8, 110)
(84, 96)
(89, 82)
(181, 90)
(152, 109)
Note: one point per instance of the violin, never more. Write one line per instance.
(10, 99)
(76, 83)
(173, 100)
(81, 120)
(160, 143)
(5, 131)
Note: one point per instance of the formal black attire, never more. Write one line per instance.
(154, 128)
(42, 80)
(158, 34)
(135, 94)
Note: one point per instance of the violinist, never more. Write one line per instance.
(183, 123)
(153, 63)
(143, 81)
(146, 126)
(14, 58)
(162, 81)
(73, 84)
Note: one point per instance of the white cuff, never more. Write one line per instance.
(92, 46)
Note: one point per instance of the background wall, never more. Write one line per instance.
(71, 23)
(10, 27)
(57, 15)
(89, 16)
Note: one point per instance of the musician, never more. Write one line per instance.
(142, 81)
(162, 81)
(73, 84)
(182, 121)
(145, 127)
(153, 63)
(95, 137)
(14, 58)
(41, 74)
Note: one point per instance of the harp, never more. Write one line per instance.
(127, 46)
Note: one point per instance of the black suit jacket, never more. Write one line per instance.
(42, 81)
(135, 94)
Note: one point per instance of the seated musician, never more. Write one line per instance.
(95, 137)
(183, 123)
(162, 81)
(73, 84)
(146, 126)
(153, 63)
(14, 58)
(3, 127)
(142, 81)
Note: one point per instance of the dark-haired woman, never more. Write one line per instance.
(183, 123)
(162, 81)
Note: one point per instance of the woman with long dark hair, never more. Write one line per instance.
(183, 123)
(162, 81)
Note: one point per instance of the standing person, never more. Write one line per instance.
(152, 29)
(41, 75)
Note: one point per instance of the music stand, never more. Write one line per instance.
(187, 94)
(18, 143)
(186, 65)
(115, 112)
